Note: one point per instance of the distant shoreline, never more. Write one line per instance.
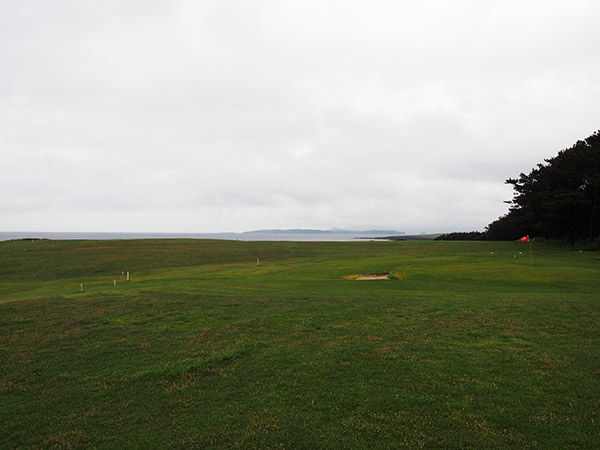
(290, 236)
(404, 237)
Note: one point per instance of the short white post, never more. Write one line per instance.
(115, 282)
(128, 275)
(81, 287)
(257, 262)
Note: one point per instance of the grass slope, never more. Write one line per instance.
(202, 348)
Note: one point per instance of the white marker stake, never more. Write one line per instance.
(81, 287)
(115, 282)
(257, 262)
(128, 275)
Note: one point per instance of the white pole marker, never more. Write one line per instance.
(128, 275)
(81, 287)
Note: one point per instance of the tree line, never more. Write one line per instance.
(559, 199)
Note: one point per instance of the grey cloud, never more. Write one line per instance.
(236, 115)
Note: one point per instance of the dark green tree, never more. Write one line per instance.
(559, 199)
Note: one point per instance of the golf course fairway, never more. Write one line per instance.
(287, 345)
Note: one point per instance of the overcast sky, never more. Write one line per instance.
(205, 116)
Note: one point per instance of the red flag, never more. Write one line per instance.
(524, 239)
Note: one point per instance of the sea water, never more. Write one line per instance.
(261, 236)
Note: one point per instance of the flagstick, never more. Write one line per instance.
(530, 254)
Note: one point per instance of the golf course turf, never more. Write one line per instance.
(464, 346)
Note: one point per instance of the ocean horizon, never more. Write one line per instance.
(247, 236)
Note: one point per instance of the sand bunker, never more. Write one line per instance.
(380, 276)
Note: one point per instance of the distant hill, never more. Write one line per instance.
(404, 237)
(330, 231)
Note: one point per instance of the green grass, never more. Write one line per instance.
(462, 348)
